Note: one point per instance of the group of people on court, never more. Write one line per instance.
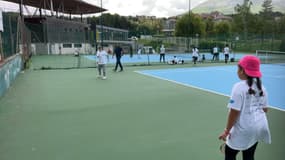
(103, 58)
(226, 51)
(215, 52)
(196, 57)
(176, 60)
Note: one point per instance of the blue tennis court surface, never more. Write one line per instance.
(220, 80)
(155, 57)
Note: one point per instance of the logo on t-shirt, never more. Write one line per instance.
(231, 101)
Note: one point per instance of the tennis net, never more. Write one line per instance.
(267, 56)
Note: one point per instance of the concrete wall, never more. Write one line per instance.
(9, 71)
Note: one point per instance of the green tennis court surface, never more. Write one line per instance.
(71, 115)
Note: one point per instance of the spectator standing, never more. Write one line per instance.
(162, 54)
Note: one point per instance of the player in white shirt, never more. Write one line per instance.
(102, 59)
(247, 122)
(162, 54)
(227, 53)
(195, 54)
(139, 53)
(215, 53)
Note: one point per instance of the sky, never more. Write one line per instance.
(158, 8)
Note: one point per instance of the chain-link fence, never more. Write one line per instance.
(9, 34)
(59, 41)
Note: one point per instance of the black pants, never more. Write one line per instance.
(215, 56)
(230, 154)
(226, 58)
(162, 57)
(195, 59)
(118, 63)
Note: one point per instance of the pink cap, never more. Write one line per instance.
(251, 65)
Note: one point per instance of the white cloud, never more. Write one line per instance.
(158, 8)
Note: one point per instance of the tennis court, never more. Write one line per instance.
(88, 61)
(220, 80)
(169, 56)
(70, 114)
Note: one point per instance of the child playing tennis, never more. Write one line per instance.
(247, 122)
(102, 58)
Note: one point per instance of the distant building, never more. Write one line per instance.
(145, 17)
(216, 16)
(50, 35)
(169, 26)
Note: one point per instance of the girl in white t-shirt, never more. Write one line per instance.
(247, 122)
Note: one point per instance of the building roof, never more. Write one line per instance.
(216, 16)
(74, 7)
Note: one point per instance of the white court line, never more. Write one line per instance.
(183, 84)
(273, 76)
(203, 89)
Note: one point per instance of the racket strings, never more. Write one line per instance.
(222, 148)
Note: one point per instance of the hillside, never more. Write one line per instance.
(227, 6)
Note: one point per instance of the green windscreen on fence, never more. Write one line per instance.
(9, 36)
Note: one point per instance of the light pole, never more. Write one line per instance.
(101, 19)
(189, 19)
(189, 7)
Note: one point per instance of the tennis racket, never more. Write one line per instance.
(223, 147)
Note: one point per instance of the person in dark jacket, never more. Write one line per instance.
(118, 52)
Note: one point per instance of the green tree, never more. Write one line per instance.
(267, 16)
(269, 25)
(189, 25)
(223, 30)
(267, 8)
(282, 25)
(243, 16)
(282, 33)
(209, 27)
(143, 29)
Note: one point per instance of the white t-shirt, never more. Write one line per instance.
(102, 57)
(162, 50)
(195, 52)
(251, 125)
(215, 50)
(226, 50)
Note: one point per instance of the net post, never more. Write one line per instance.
(1, 49)
(266, 57)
